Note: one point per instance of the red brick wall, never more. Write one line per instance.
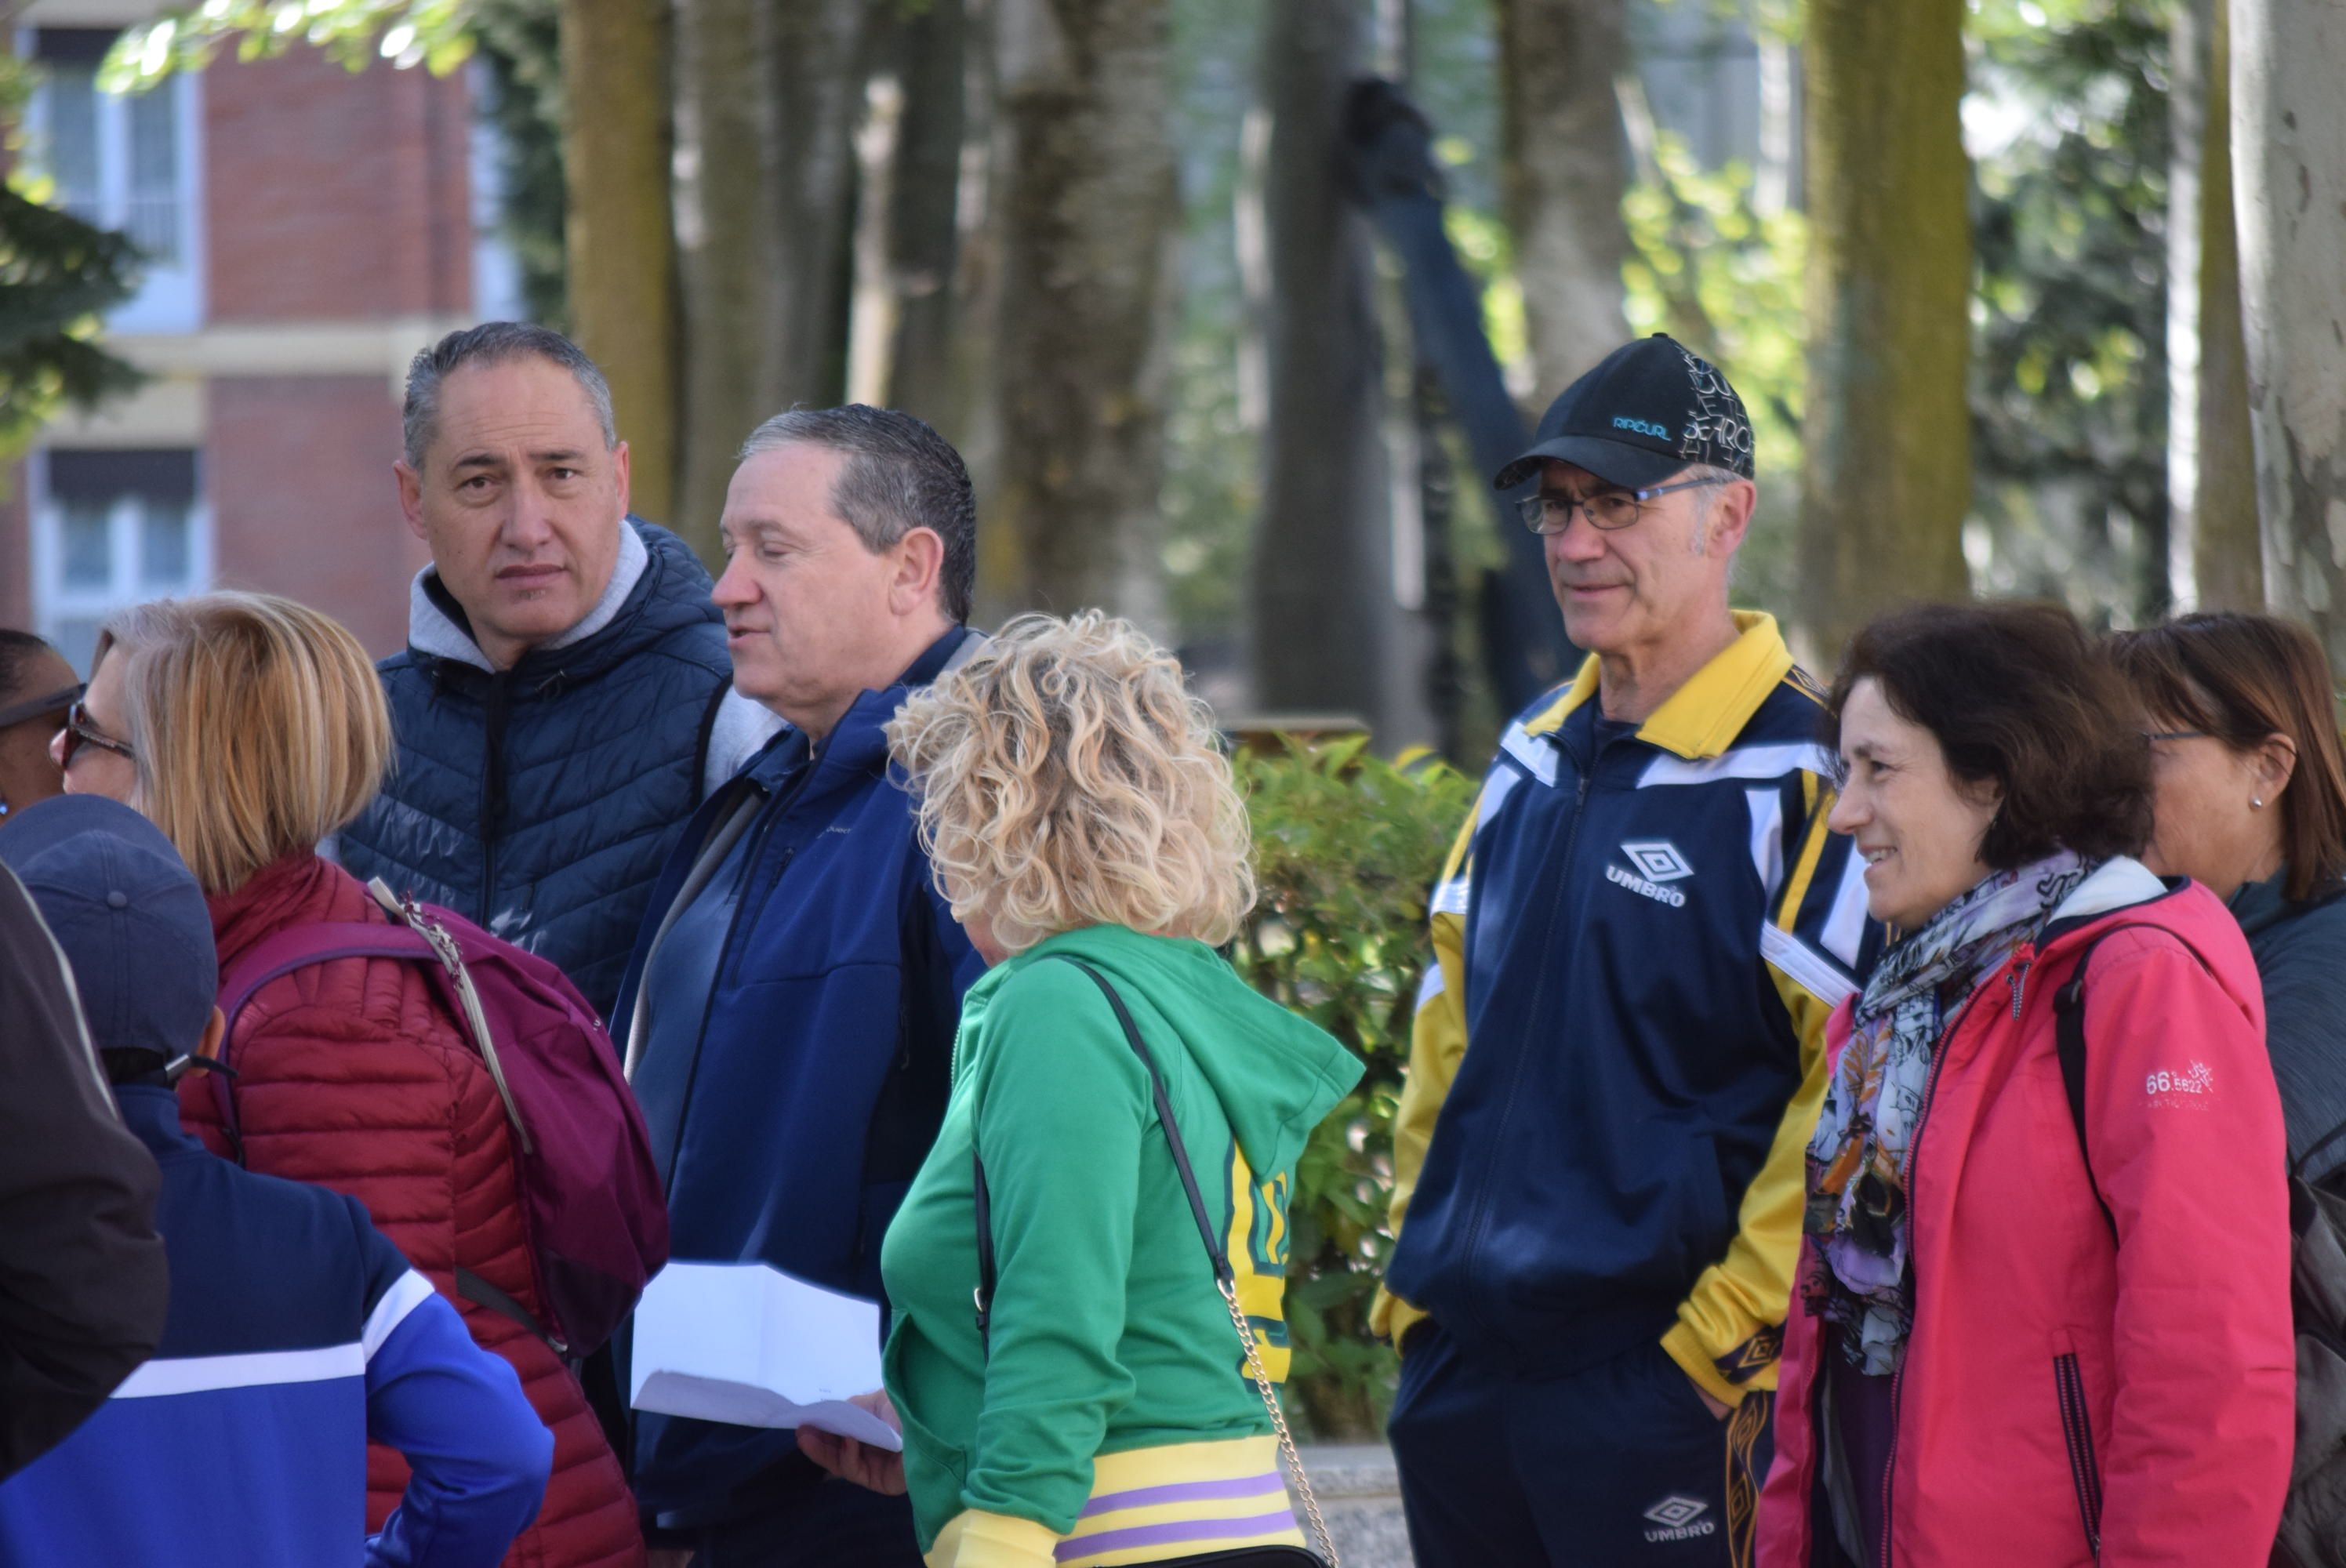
(330, 196)
(298, 472)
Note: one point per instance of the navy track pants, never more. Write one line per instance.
(1620, 1463)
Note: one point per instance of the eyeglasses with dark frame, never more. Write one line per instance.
(1608, 510)
(79, 731)
(2156, 735)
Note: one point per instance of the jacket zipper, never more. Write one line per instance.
(493, 792)
(2025, 955)
(2078, 1436)
(1480, 1219)
(1914, 1161)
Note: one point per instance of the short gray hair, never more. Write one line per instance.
(900, 475)
(493, 343)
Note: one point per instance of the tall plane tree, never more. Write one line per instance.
(2288, 159)
(768, 92)
(620, 248)
(1322, 602)
(1563, 171)
(1887, 477)
(1088, 212)
(2216, 561)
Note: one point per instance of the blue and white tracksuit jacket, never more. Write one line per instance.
(1620, 1052)
(296, 1333)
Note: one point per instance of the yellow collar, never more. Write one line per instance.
(1702, 718)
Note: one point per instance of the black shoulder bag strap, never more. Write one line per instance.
(2069, 1045)
(1224, 1278)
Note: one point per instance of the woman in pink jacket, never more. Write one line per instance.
(2020, 1334)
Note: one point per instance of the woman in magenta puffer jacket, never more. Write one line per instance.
(2016, 1336)
(249, 728)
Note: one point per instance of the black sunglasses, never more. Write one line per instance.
(40, 706)
(79, 732)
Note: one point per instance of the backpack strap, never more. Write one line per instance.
(481, 1293)
(2297, 1167)
(2069, 1045)
(414, 936)
(297, 947)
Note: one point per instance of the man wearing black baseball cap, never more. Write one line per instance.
(295, 1332)
(1620, 1047)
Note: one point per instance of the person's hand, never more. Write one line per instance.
(873, 1468)
(1717, 1409)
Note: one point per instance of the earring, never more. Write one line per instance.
(2258, 801)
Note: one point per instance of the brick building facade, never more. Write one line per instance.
(310, 229)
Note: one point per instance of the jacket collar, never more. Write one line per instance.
(435, 624)
(859, 742)
(1702, 718)
(2118, 884)
(294, 887)
(656, 586)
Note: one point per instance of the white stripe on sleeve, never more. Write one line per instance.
(1805, 965)
(264, 1369)
(407, 1292)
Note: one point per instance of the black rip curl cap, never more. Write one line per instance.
(1647, 410)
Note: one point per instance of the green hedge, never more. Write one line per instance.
(1347, 847)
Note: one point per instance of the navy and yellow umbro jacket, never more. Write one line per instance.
(1619, 1049)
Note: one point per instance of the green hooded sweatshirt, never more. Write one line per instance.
(1109, 1336)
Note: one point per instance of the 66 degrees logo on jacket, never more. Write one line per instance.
(2187, 1091)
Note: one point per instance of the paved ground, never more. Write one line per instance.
(1360, 1500)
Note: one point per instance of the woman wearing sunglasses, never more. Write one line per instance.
(37, 687)
(249, 728)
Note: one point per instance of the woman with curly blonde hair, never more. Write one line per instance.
(1085, 827)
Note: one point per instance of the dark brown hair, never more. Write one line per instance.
(2240, 679)
(2018, 695)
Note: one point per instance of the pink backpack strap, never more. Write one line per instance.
(298, 947)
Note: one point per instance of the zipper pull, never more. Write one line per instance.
(2022, 959)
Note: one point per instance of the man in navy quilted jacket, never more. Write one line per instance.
(565, 701)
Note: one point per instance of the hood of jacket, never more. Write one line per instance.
(1276, 1074)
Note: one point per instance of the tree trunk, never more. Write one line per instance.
(725, 217)
(621, 255)
(1564, 169)
(1887, 476)
(767, 94)
(1325, 628)
(2215, 558)
(2289, 160)
(1090, 218)
(924, 212)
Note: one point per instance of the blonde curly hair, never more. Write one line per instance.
(1066, 777)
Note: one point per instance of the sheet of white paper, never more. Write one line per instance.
(750, 1345)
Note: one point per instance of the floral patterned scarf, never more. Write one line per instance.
(1857, 1160)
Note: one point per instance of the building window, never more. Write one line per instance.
(113, 528)
(123, 163)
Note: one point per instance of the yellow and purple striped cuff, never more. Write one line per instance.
(1147, 1504)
